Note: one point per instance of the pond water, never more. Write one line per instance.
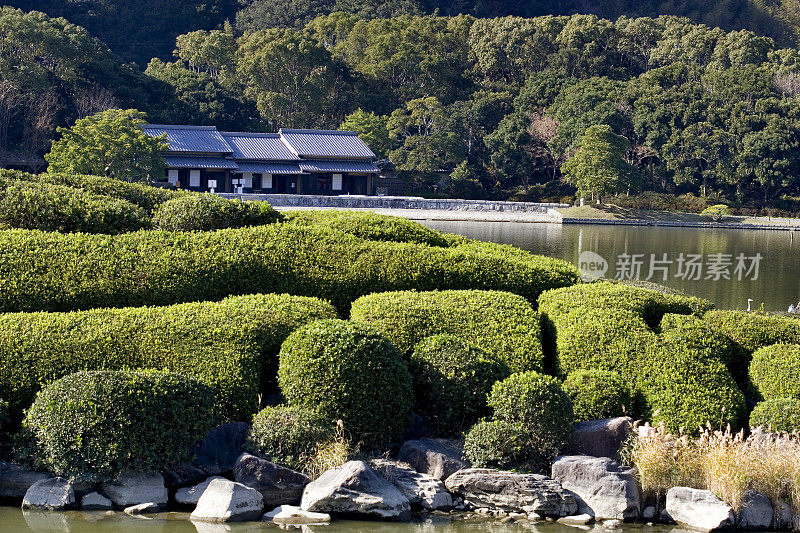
(13, 520)
(697, 260)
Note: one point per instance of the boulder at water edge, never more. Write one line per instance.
(53, 494)
(512, 492)
(217, 452)
(228, 501)
(756, 512)
(277, 484)
(600, 438)
(355, 489)
(699, 509)
(289, 514)
(94, 501)
(191, 495)
(133, 488)
(432, 457)
(422, 490)
(15, 481)
(606, 490)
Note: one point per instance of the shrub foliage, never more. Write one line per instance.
(777, 414)
(59, 272)
(289, 435)
(497, 444)
(204, 212)
(500, 323)
(227, 344)
(348, 371)
(451, 382)
(598, 394)
(93, 425)
(751, 331)
(775, 371)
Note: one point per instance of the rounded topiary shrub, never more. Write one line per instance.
(451, 381)
(598, 394)
(543, 409)
(687, 388)
(348, 371)
(289, 435)
(775, 371)
(205, 212)
(497, 444)
(93, 425)
(777, 414)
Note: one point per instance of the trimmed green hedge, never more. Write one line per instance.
(231, 345)
(648, 304)
(373, 227)
(777, 414)
(289, 435)
(601, 339)
(598, 394)
(348, 371)
(537, 404)
(59, 272)
(751, 331)
(91, 426)
(205, 212)
(775, 371)
(451, 381)
(497, 444)
(47, 207)
(687, 387)
(503, 324)
(145, 196)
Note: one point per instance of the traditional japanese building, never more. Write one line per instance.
(326, 162)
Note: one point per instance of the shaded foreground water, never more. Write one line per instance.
(777, 284)
(13, 520)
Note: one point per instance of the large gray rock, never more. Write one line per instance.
(183, 475)
(608, 491)
(699, 509)
(782, 519)
(133, 488)
(756, 512)
(53, 494)
(217, 452)
(227, 501)
(432, 457)
(512, 492)
(191, 495)
(94, 501)
(278, 485)
(15, 481)
(600, 438)
(289, 514)
(421, 489)
(355, 489)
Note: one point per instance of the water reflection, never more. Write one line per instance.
(777, 285)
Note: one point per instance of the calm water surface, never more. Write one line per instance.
(777, 284)
(13, 520)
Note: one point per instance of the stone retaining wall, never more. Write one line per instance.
(396, 202)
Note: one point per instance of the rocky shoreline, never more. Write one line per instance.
(427, 477)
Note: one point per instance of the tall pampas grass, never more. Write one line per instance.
(726, 463)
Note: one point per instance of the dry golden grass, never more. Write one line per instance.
(328, 454)
(726, 463)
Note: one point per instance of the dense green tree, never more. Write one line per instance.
(424, 142)
(598, 167)
(373, 130)
(111, 144)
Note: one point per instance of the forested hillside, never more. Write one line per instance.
(503, 101)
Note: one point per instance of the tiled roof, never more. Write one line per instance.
(218, 163)
(190, 138)
(339, 166)
(269, 168)
(262, 146)
(326, 144)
